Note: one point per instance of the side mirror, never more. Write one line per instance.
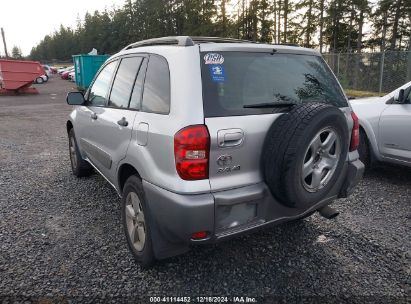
(75, 98)
(401, 96)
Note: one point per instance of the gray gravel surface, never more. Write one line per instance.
(61, 238)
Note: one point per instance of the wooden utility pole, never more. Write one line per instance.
(321, 24)
(4, 43)
(285, 16)
(275, 21)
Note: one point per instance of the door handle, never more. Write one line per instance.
(93, 116)
(123, 122)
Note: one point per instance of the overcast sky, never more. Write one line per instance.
(27, 22)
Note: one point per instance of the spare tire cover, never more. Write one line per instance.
(304, 153)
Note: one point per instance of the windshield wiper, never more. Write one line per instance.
(270, 104)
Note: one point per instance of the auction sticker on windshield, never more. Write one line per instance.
(217, 73)
(213, 58)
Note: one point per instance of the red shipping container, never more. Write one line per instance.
(16, 76)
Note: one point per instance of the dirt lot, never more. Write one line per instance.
(61, 238)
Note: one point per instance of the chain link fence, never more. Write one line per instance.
(374, 72)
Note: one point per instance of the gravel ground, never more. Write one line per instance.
(61, 238)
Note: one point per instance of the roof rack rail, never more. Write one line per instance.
(172, 40)
(190, 41)
(183, 41)
(200, 39)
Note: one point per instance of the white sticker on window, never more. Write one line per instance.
(213, 58)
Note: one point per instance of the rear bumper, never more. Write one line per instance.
(175, 217)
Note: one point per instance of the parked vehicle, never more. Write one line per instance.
(72, 76)
(62, 70)
(41, 79)
(385, 127)
(66, 73)
(47, 68)
(214, 138)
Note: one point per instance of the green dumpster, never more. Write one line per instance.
(86, 67)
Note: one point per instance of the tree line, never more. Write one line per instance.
(329, 25)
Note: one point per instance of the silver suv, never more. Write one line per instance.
(207, 138)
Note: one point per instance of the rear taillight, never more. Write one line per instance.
(199, 235)
(355, 135)
(191, 152)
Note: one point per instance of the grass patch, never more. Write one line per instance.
(359, 94)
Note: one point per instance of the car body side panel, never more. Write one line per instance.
(395, 134)
(155, 161)
(110, 138)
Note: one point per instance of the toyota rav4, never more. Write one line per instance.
(207, 138)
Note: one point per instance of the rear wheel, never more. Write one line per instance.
(135, 222)
(79, 166)
(39, 80)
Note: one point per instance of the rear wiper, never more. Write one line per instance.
(270, 104)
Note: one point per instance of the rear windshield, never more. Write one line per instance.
(232, 80)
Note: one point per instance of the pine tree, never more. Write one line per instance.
(16, 52)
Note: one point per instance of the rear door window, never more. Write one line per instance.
(135, 102)
(123, 82)
(156, 95)
(232, 80)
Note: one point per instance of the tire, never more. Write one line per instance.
(135, 222)
(79, 166)
(304, 153)
(39, 80)
(364, 150)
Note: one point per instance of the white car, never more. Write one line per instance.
(47, 69)
(41, 79)
(62, 70)
(214, 138)
(72, 76)
(385, 127)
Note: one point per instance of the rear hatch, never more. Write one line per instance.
(244, 91)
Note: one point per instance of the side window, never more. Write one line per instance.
(156, 95)
(99, 90)
(123, 82)
(135, 102)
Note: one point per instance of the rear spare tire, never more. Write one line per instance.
(304, 153)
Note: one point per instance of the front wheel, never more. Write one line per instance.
(79, 166)
(135, 222)
(39, 80)
(364, 150)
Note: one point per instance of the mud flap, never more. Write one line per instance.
(355, 173)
